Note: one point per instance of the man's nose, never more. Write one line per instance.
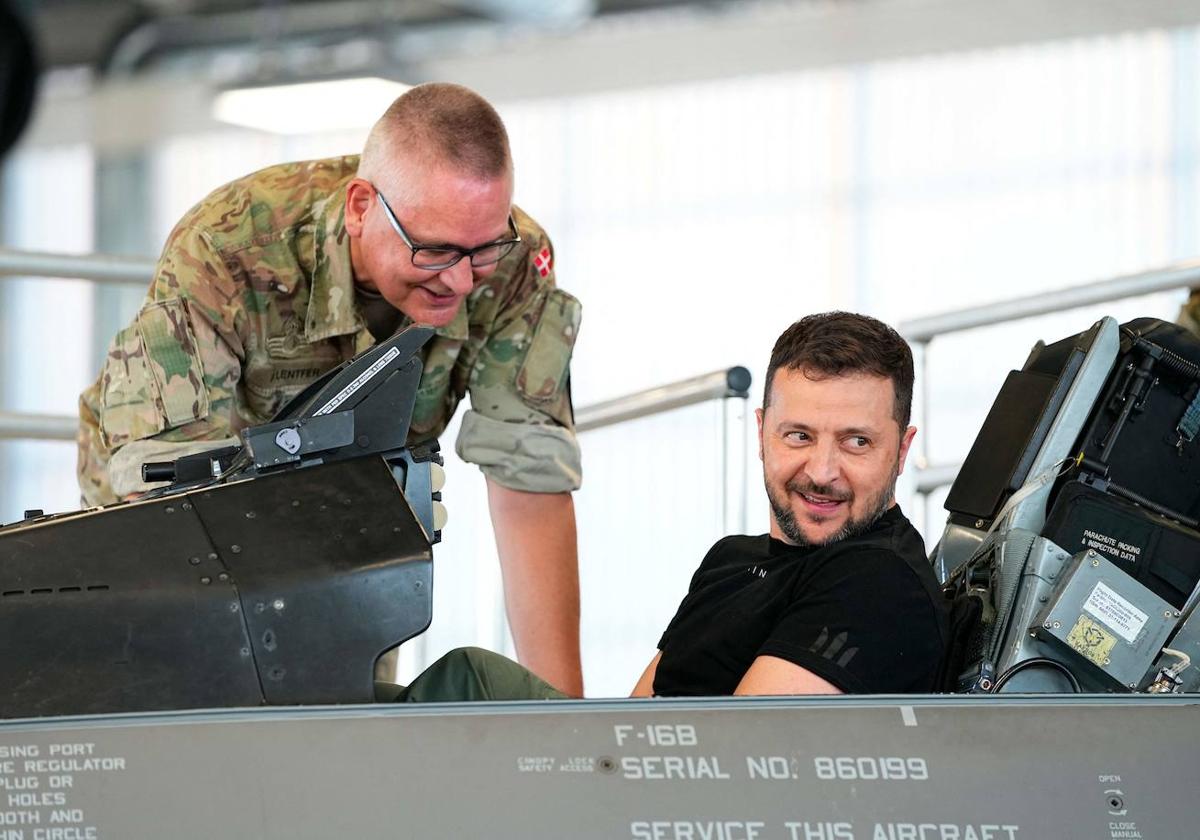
(459, 278)
(824, 465)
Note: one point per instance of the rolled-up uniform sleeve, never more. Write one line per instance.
(1189, 313)
(521, 430)
(166, 387)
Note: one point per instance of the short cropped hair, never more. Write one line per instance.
(843, 344)
(438, 122)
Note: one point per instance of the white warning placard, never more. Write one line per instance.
(1115, 612)
(361, 380)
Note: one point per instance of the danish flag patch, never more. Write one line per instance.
(543, 262)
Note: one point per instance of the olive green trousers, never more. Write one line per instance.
(466, 674)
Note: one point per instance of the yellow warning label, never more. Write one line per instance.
(1092, 640)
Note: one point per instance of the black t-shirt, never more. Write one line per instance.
(864, 613)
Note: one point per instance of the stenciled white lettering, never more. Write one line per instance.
(661, 767)
(769, 767)
(75, 832)
(62, 815)
(36, 800)
(944, 831)
(819, 831)
(72, 765)
(72, 749)
(1100, 538)
(20, 782)
(696, 830)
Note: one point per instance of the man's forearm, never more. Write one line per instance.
(772, 675)
(645, 683)
(535, 538)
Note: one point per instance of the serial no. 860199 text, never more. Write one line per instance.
(867, 768)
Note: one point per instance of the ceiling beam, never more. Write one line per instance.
(666, 47)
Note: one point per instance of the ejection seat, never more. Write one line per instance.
(1072, 549)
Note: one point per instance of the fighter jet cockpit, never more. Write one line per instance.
(1071, 544)
(1069, 552)
(246, 564)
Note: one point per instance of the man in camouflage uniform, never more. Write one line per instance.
(277, 277)
(1189, 313)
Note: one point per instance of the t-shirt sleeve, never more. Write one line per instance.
(707, 562)
(864, 622)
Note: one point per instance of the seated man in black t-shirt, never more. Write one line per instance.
(838, 597)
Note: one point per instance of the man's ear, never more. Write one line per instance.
(359, 195)
(758, 415)
(906, 440)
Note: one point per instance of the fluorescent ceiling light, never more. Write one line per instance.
(308, 107)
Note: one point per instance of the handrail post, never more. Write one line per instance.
(734, 422)
(921, 351)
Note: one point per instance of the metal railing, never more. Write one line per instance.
(731, 382)
(15, 426)
(98, 268)
(920, 332)
(732, 385)
(728, 384)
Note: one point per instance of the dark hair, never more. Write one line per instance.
(844, 343)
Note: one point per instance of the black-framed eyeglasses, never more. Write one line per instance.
(438, 257)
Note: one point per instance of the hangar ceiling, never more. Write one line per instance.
(152, 66)
(129, 35)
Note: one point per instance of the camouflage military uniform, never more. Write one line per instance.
(1189, 313)
(253, 298)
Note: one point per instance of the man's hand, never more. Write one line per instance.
(772, 675)
(535, 537)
